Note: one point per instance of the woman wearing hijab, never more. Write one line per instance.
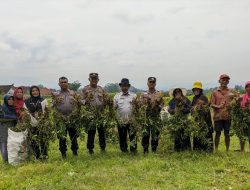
(19, 102)
(181, 105)
(35, 105)
(245, 103)
(8, 119)
(199, 101)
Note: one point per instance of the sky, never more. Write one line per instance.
(176, 41)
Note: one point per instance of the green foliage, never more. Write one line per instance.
(24, 124)
(186, 125)
(240, 119)
(114, 88)
(164, 170)
(146, 116)
(95, 117)
(199, 126)
(43, 132)
(75, 85)
(166, 100)
(60, 122)
(239, 88)
(45, 129)
(139, 112)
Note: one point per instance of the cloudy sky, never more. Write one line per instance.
(177, 41)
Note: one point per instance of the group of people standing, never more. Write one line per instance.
(12, 112)
(95, 96)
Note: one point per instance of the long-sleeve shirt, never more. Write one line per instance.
(34, 106)
(123, 105)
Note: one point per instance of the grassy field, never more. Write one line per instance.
(115, 170)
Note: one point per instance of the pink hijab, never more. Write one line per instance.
(246, 97)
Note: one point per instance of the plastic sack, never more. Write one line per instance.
(17, 147)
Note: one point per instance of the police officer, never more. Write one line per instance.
(153, 100)
(94, 96)
(66, 106)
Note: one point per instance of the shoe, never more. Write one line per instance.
(145, 151)
(124, 151)
(75, 153)
(133, 152)
(64, 155)
(44, 157)
(103, 150)
(154, 150)
(91, 151)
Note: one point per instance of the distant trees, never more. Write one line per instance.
(239, 88)
(75, 85)
(40, 86)
(114, 88)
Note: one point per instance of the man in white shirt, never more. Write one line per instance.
(123, 105)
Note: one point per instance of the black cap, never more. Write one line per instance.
(151, 79)
(93, 75)
(124, 81)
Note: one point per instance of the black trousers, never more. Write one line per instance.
(182, 142)
(155, 133)
(73, 137)
(201, 146)
(38, 147)
(124, 131)
(91, 138)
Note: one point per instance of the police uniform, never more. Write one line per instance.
(65, 107)
(95, 97)
(154, 102)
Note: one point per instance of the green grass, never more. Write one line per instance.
(114, 170)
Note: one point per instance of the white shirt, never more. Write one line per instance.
(123, 104)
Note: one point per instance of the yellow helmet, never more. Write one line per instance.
(198, 85)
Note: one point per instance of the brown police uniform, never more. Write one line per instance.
(95, 98)
(154, 102)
